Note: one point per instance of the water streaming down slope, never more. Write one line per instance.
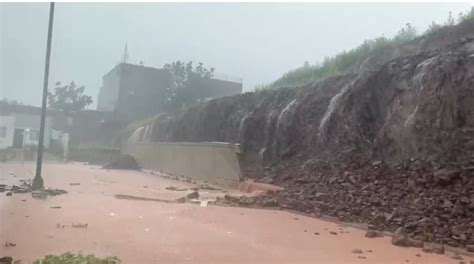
(329, 112)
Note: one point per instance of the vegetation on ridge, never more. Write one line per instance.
(348, 61)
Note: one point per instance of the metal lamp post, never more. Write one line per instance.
(38, 180)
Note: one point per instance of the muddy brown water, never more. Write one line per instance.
(154, 232)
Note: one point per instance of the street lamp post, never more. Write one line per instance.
(38, 180)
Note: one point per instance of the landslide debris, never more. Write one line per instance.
(123, 162)
(392, 147)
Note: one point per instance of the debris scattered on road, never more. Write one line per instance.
(203, 203)
(124, 162)
(44, 193)
(131, 197)
(174, 188)
(9, 193)
(9, 244)
(316, 233)
(24, 188)
(74, 183)
(357, 251)
(247, 201)
(209, 187)
(333, 233)
(55, 207)
(193, 195)
(54, 192)
(181, 200)
(361, 257)
(39, 195)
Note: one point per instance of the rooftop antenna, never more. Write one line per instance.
(125, 54)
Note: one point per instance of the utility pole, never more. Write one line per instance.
(38, 180)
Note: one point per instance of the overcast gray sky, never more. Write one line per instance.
(258, 42)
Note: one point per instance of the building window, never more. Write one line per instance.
(3, 131)
(33, 135)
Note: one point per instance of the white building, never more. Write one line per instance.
(22, 129)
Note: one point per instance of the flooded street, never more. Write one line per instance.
(156, 232)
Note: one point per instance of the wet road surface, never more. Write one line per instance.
(156, 232)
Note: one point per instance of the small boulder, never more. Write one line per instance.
(416, 243)
(433, 248)
(321, 196)
(181, 200)
(6, 260)
(456, 256)
(400, 239)
(470, 248)
(371, 227)
(438, 249)
(427, 248)
(373, 233)
(123, 162)
(193, 195)
(445, 176)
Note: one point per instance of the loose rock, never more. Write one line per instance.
(6, 260)
(400, 239)
(373, 233)
(193, 195)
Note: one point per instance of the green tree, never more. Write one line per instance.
(187, 86)
(68, 98)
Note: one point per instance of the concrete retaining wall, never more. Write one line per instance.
(212, 162)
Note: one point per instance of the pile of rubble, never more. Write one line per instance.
(25, 187)
(430, 204)
(123, 162)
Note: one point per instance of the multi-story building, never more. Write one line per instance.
(135, 92)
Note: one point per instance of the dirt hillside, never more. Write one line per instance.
(392, 146)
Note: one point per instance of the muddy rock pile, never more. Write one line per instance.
(433, 205)
(123, 162)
